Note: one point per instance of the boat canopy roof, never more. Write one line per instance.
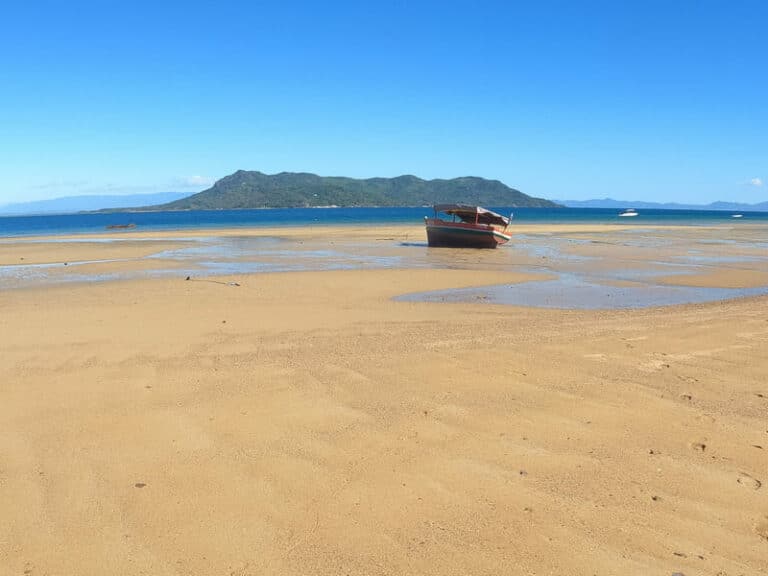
(468, 213)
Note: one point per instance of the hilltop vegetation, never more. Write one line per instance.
(251, 189)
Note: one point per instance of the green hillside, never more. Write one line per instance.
(250, 189)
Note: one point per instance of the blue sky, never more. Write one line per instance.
(664, 101)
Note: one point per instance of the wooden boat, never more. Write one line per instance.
(468, 227)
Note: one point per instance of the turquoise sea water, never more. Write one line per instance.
(149, 221)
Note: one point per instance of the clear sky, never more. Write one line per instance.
(645, 100)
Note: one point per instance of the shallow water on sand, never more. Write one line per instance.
(588, 270)
(620, 270)
(571, 291)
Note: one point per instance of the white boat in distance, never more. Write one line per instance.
(628, 212)
(737, 215)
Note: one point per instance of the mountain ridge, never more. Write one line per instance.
(253, 189)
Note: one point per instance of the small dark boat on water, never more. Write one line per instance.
(120, 226)
(468, 227)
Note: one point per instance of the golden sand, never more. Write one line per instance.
(305, 423)
(47, 252)
(723, 278)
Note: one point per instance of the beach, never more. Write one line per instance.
(308, 421)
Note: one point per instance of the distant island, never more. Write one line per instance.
(639, 204)
(252, 189)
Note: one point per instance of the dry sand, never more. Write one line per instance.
(305, 423)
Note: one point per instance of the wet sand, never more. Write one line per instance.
(54, 250)
(308, 423)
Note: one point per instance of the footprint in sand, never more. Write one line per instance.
(761, 528)
(699, 446)
(746, 480)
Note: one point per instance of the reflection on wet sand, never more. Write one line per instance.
(613, 269)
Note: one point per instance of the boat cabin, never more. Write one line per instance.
(471, 215)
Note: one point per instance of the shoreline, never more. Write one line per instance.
(622, 257)
(365, 229)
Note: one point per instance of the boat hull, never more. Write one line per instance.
(456, 235)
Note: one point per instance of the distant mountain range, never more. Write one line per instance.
(69, 204)
(245, 189)
(638, 204)
(251, 189)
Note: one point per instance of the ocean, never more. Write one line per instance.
(61, 224)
